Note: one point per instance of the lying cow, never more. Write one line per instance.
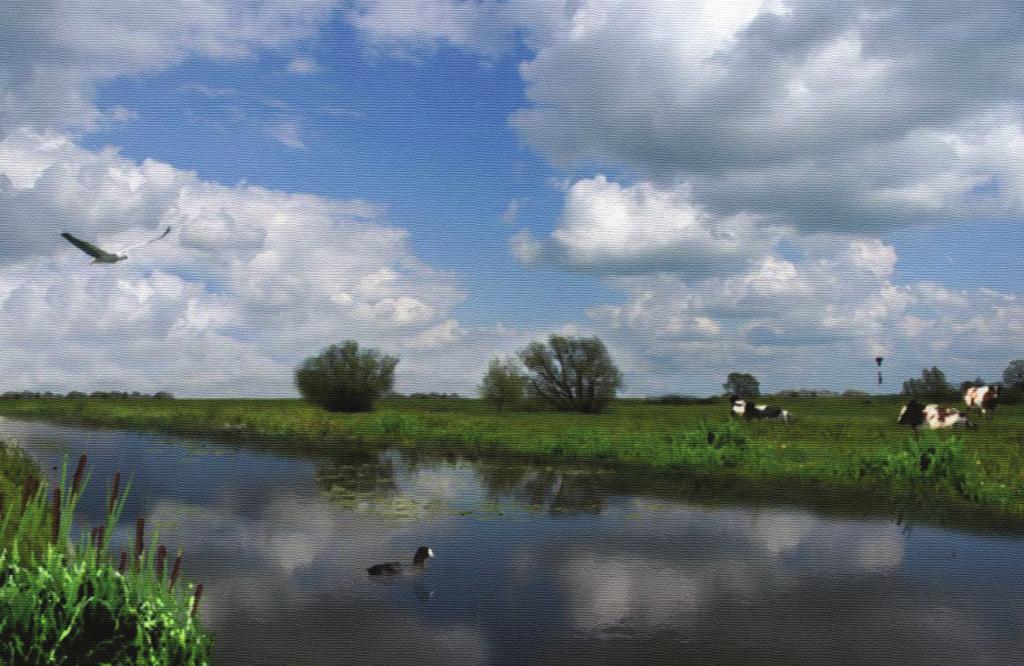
(914, 414)
(984, 398)
(749, 410)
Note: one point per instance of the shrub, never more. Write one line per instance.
(571, 374)
(344, 378)
(504, 385)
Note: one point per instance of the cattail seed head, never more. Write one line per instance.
(28, 491)
(55, 518)
(79, 471)
(195, 600)
(123, 563)
(161, 555)
(114, 486)
(175, 570)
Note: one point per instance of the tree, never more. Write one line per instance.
(742, 384)
(345, 379)
(504, 385)
(1013, 376)
(571, 374)
(932, 385)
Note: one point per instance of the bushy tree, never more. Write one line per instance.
(742, 384)
(343, 378)
(1013, 376)
(932, 385)
(504, 385)
(571, 373)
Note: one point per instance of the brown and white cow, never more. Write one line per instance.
(749, 410)
(984, 398)
(936, 417)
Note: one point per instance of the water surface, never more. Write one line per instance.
(537, 564)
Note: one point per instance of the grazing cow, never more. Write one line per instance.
(749, 410)
(984, 398)
(914, 414)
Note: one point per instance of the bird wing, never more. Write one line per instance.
(88, 248)
(152, 240)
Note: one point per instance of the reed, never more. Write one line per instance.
(64, 601)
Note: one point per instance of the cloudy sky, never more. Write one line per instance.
(781, 187)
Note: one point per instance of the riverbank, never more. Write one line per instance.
(839, 442)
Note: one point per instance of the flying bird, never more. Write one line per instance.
(102, 256)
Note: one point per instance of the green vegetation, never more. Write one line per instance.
(63, 602)
(571, 374)
(344, 379)
(836, 441)
(504, 385)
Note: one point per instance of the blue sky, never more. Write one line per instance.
(708, 187)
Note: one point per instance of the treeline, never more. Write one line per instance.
(79, 395)
(932, 385)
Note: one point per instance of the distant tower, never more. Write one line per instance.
(878, 362)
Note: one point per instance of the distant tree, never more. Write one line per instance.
(932, 385)
(571, 374)
(76, 395)
(1013, 376)
(163, 395)
(742, 384)
(504, 385)
(343, 378)
(977, 381)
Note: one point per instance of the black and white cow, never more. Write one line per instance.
(749, 410)
(984, 398)
(936, 417)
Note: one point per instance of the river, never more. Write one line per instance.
(536, 564)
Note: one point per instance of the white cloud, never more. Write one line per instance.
(511, 213)
(287, 132)
(608, 228)
(814, 321)
(54, 54)
(303, 65)
(250, 281)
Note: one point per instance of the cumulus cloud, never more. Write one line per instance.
(858, 117)
(51, 59)
(807, 321)
(608, 228)
(250, 281)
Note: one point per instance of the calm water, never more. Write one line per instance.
(538, 564)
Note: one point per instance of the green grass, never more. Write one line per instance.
(64, 601)
(836, 441)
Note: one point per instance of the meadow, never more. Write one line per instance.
(843, 442)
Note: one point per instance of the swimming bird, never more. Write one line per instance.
(419, 560)
(100, 256)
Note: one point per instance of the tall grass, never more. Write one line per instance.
(66, 601)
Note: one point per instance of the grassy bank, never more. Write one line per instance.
(838, 441)
(65, 600)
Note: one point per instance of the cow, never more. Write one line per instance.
(936, 417)
(984, 398)
(750, 411)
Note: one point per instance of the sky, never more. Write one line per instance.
(778, 187)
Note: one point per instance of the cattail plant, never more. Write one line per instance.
(195, 600)
(140, 533)
(158, 565)
(76, 484)
(55, 534)
(174, 573)
(122, 565)
(114, 485)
